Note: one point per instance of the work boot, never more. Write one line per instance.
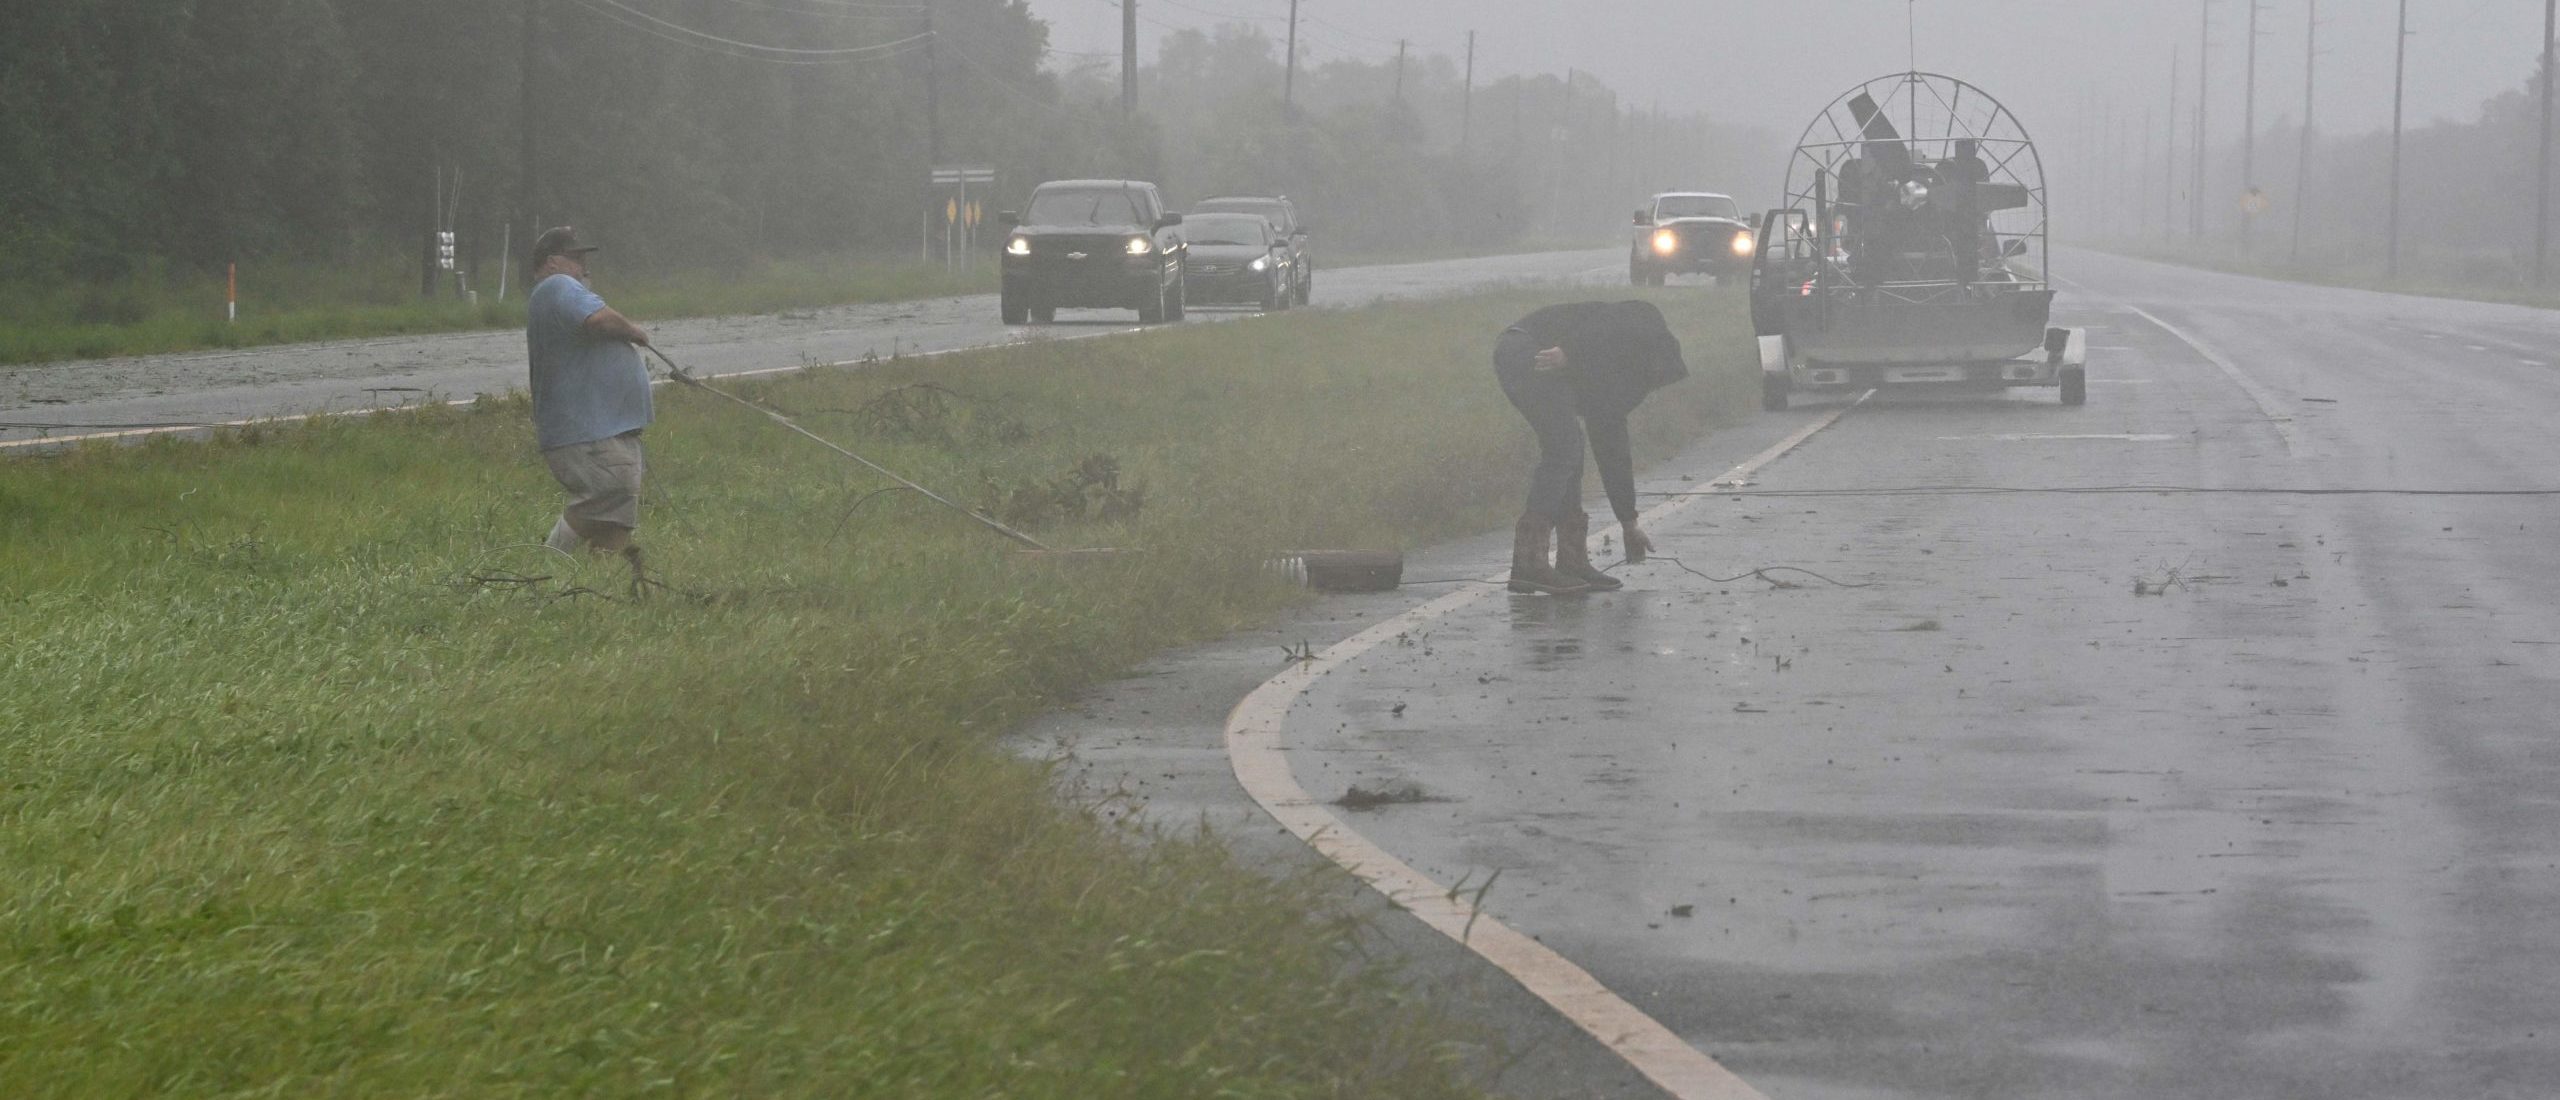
(1529, 569)
(1573, 554)
(639, 571)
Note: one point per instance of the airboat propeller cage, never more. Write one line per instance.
(1924, 194)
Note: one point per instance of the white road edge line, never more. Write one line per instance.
(1256, 738)
(289, 418)
(2266, 402)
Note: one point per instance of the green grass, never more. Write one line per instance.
(159, 312)
(1327, 256)
(2431, 274)
(309, 788)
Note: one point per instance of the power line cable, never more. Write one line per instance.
(1221, 14)
(706, 36)
(723, 51)
(844, 11)
(972, 65)
(1314, 18)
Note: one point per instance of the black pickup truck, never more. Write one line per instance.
(1104, 244)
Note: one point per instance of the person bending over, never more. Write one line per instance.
(1575, 371)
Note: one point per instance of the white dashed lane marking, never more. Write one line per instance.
(2027, 438)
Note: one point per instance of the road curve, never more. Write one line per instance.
(52, 401)
(2226, 773)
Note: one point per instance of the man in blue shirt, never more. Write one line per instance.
(590, 397)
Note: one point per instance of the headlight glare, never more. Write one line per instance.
(1019, 246)
(1260, 263)
(1742, 244)
(1140, 246)
(1666, 241)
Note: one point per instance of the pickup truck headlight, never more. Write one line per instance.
(1260, 263)
(1140, 246)
(1666, 242)
(1019, 246)
(1742, 244)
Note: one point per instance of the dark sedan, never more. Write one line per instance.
(1236, 258)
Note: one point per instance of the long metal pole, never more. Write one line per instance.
(1467, 105)
(1399, 70)
(785, 421)
(1129, 56)
(526, 165)
(2542, 177)
(2204, 104)
(2249, 136)
(932, 96)
(2399, 89)
(2141, 211)
(1289, 83)
(2302, 167)
(2169, 153)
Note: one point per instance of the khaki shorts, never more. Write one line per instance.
(603, 479)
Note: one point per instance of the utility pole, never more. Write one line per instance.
(2169, 153)
(2399, 86)
(1129, 57)
(2542, 186)
(2204, 148)
(2141, 213)
(2249, 138)
(2097, 176)
(2302, 169)
(526, 166)
(932, 95)
(1289, 85)
(1467, 105)
(1399, 70)
(1563, 135)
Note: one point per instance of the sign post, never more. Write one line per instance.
(959, 211)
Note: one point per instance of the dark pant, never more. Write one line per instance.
(1546, 400)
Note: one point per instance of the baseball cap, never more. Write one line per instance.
(559, 240)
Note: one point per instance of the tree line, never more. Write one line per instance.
(699, 133)
(2468, 194)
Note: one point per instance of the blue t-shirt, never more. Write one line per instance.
(584, 388)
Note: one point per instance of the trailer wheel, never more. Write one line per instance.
(1773, 393)
(2075, 386)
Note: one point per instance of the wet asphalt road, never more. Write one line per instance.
(2155, 794)
(90, 396)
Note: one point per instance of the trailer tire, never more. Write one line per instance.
(2075, 386)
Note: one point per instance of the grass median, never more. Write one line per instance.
(321, 777)
(157, 312)
(2426, 273)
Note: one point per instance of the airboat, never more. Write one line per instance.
(1912, 251)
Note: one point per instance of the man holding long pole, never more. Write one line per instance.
(590, 397)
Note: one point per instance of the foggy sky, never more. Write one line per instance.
(1781, 60)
